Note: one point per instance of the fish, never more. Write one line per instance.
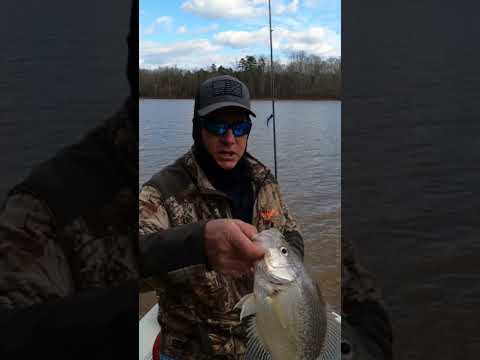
(287, 317)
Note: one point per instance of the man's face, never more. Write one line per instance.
(226, 149)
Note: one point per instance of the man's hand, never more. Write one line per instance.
(229, 247)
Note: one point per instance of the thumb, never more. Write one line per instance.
(249, 230)
(246, 247)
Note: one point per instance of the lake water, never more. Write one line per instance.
(308, 159)
(57, 84)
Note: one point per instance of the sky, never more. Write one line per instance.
(193, 34)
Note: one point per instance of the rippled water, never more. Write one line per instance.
(308, 157)
(58, 78)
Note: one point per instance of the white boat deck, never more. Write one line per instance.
(148, 330)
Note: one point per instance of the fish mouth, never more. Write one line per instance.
(275, 280)
(276, 275)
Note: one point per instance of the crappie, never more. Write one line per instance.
(290, 321)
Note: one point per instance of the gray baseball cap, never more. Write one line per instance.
(219, 92)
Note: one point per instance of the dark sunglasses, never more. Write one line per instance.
(220, 128)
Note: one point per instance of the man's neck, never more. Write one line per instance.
(219, 177)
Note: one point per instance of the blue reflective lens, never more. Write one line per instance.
(220, 128)
(241, 129)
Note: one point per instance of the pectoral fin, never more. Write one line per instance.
(247, 304)
(279, 311)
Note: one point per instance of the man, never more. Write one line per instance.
(68, 240)
(213, 199)
(197, 218)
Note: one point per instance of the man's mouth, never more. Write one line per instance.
(226, 154)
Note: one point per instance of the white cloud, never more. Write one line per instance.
(281, 9)
(290, 22)
(242, 39)
(163, 21)
(314, 40)
(149, 48)
(187, 54)
(182, 29)
(215, 9)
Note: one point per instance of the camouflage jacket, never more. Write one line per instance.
(195, 304)
(72, 224)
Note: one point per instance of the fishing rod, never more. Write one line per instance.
(272, 116)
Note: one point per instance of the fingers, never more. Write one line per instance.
(249, 230)
(246, 249)
(244, 245)
(229, 247)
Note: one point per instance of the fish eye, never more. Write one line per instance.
(284, 251)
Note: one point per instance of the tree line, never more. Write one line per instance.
(302, 77)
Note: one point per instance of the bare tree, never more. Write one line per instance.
(302, 77)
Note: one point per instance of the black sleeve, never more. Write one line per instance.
(172, 249)
(296, 242)
(96, 324)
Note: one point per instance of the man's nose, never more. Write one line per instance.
(228, 137)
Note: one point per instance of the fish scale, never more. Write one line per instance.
(287, 316)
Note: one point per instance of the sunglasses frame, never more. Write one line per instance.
(226, 126)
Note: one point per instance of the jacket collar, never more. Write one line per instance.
(259, 173)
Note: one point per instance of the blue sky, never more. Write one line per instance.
(196, 33)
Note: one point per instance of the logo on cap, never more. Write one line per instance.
(226, 87)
